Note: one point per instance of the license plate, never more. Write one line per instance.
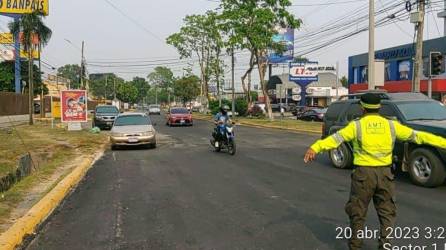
(109, 123)
(133, 140)
(182, 121)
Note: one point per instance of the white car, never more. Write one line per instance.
(154, 109)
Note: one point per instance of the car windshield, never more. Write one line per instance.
(154, 106)
(428, 110)
(179, 111)
(130, 120)
(107, 109)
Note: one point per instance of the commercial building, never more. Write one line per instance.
(399, 67)
(321, 93)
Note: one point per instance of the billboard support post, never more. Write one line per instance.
(17, 67)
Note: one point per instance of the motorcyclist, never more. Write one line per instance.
(222, 117)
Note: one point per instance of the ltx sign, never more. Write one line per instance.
(304, 73)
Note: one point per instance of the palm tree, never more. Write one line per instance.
(32, 27)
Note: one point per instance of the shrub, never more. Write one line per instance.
(241, 106)
(256, 111)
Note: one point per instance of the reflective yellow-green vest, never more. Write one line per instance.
(373, 138)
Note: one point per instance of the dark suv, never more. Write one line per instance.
(104, 116)
(425, 164)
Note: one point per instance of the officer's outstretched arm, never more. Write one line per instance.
(404, 133)
(344, 135)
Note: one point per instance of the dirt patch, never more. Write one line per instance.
(33, 195)
(55, 152)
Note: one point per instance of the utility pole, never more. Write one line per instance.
(233, 81)
(156, 93)
(105, 89)
(114, 89)
(371, 73)
(418, 63)
(82, 66)
(337, 80)
(443, 15)
(42, 98)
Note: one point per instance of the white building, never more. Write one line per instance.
(320, 93)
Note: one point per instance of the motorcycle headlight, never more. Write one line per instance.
(229, 129)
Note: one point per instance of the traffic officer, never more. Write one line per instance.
(373, 138)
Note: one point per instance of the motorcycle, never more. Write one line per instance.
(225, 138)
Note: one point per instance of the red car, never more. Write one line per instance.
(179, 116)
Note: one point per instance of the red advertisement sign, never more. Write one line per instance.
(73, 105)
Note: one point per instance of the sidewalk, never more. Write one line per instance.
(7, 121)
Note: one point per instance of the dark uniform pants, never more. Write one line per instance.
(371, 183)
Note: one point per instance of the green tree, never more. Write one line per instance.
(162, 77)
(7, 78)
(142, 86)
(127, 92)
(200, 37)
(251, 24)
(31, 25)
(344, 81)
(71, 72)
(187, 88)
(104, 85)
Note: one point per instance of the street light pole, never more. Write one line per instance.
(371, 73)
(233, 81)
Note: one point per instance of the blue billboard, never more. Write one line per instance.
(284, 36)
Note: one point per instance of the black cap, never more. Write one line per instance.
(371, 101)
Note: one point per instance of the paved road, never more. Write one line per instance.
(184, 196)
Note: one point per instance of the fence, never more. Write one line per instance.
(13, 104)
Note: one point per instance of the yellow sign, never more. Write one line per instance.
(23, 6)
(6, 38)
(55, 109)
(24, 54)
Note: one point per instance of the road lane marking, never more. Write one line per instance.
(114, 156)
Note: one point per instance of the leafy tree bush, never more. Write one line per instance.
(241, 106)
(256, 111)
(214, 105)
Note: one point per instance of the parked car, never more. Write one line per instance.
(104, 116)
(425, 164)
(154, 109)
(179, 116)
(299, 110)
(131, 129)
(313, 115)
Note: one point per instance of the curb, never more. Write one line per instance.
(297, 131)
(26, 225)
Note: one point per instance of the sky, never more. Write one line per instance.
(135, 30)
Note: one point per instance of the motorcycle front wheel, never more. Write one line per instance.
(231, 147)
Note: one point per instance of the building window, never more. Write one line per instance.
(404, 70)
(355, 75)
(364, 74)
(387, 76)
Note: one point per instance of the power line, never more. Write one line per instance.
(142, 27)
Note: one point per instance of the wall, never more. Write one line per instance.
(13, 104)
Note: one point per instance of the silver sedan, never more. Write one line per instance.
(131, 129)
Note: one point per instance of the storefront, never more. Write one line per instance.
(399, 69)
